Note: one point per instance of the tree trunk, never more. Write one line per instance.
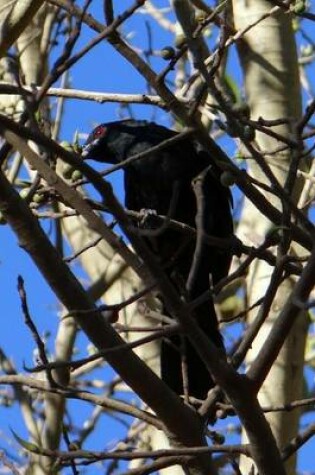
(269, 60)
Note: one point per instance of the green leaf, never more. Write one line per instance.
(30, 446)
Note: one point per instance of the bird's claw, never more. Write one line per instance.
(148, 218)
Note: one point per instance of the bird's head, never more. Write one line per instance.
(96, 146)
(111, 142)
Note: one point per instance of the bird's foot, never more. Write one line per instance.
(148, 219)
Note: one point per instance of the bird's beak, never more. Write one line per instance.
(88, 148)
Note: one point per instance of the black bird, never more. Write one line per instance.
(162, 181)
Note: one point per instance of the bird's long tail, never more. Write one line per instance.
(180, 361)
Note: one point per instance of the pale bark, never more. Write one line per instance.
(272, 87)
(16, 16)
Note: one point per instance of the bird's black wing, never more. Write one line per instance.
(162, 181)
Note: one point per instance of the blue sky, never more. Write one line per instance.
(101, 70)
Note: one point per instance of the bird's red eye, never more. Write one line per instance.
(99, 131)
